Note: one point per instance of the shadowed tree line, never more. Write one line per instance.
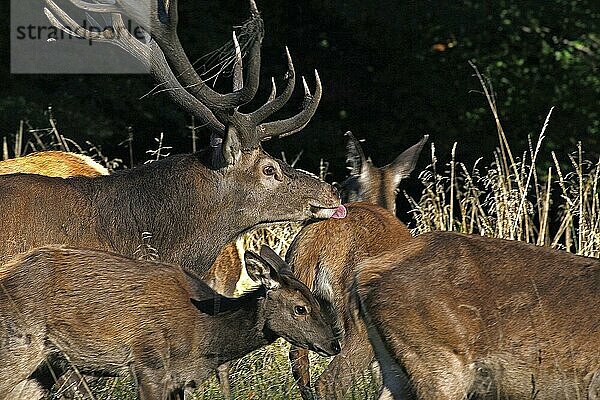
(392, 71)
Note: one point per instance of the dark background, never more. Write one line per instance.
(392, 71)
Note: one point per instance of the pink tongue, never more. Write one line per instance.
(340, 212)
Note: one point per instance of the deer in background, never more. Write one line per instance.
(376, 185)
(453, 316)
(114, 316)
(329, 276)
(58, 164)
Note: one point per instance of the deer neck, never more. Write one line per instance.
(237, 330)
(181, 204)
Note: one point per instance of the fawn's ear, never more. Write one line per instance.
(203, 297)
(267, 254)
(261, 271)
(404, 164)
(355, 158)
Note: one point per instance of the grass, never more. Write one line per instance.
(512, 198)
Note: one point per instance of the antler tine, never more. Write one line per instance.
(274, 104)
(138, 13)
(148, 54)
(293, 124)
(74, 28)
(273, 90)
(253, 8)
(100, 8)
(165, 33)
(238, 74)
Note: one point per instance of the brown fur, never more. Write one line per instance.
(225, 272)
(366, 183)
(115, 316)
(58, 164)
(324, 255)
(191, 211)
(377, 185)
(453, 316)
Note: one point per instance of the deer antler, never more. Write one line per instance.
(161, 50)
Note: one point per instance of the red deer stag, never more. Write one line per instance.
(58, 164)
(452, 317)
(114, 316)
(192, 205)
(323, 256)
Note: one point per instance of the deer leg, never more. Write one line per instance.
(301, 371)
(450, 379)
(594, 387)
(345, 368)
(223, 376)
(178, 394)
(151, 385)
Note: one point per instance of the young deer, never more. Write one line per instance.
(58, 164)
(367, 183)
(112, 316)
(453, 317)
(376, 185)
(323, 256)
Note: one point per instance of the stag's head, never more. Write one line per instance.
(268, 186)
(376, 185)
(289, 309)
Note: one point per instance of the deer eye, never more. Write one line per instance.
(269, 170)
(300, 310)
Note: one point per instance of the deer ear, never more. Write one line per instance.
(203, 297)
(261, 271)
(275, 261)
(355, 158)
(406, 162)
(226, 150)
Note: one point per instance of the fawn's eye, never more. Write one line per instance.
(300, 310)
(269, 170)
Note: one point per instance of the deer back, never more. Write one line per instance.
(500, 317)
(53, 163)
